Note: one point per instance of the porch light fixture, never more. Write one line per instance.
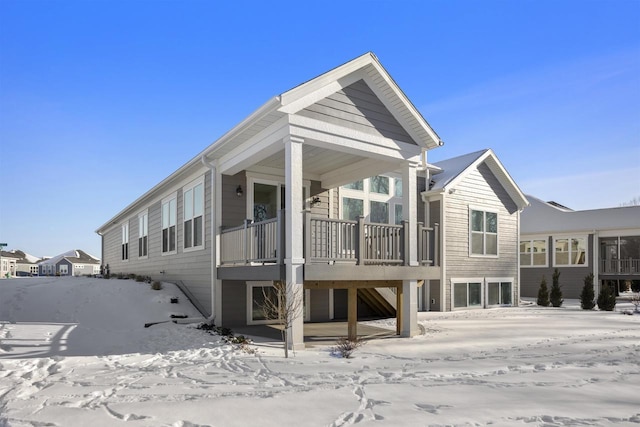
(239, 191)
(315, 201)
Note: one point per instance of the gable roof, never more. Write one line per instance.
(544, 217)
(455, 170)
(74, 256)
(276, 110)
(366, 67)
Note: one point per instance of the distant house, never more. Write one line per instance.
(324, 188)
(477, 206)
(8, 264)
(71, 263)
(605, 242)
(27, 265)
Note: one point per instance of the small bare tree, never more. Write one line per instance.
(283, 308)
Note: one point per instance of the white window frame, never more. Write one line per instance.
(499, 280)
(66, 269)
(124, 248)
(265, 283)
(484, 254)
(569, 237)
(191, 187)
(467, 281)
(167, 200)
(276, 181)
(368, 196)
(530, 240)
(143, 221)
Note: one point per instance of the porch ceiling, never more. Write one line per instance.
(332, 168)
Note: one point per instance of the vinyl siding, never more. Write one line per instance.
(357, 107)
(319, 305)
(234, 308)
(192, 268)
(481, 190)
(571, 278)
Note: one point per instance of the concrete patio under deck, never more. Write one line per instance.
(321, 333)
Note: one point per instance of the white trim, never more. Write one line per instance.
(191, 186)
(263, 284)
(273, 180)
(367, 196)
(484, 210)
(142, 213)
(569, 237)
(545, 239)
(467, 281)
(125, 240)
(488, 280)
(167, 199)
(249, 302)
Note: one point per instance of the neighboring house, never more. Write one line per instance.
(27, 265)
(320, 189)
(477, 206)
(71, 263)
(8, 264)
(605, 242)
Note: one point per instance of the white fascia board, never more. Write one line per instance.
(255, 117)
(255, 149)
(294, 105)
(340, 138)
(304, 90)
(432, 195)
(501, 174)
(436, 141)
(353, 172)
(169, 185)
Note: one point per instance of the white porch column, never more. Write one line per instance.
(294, 254)
(410, 209)
(409, 327)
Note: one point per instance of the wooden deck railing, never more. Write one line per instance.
(329, 241)
(620, 266)
(257, 242)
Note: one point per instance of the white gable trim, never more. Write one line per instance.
(501, 174)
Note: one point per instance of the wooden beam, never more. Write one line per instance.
(351, 284)
(399, 309)
(352, 303)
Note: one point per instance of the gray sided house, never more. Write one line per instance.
(477, 206)
(318, 189)
(602, 242)
(71, 263)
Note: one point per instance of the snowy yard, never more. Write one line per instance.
(74, 352)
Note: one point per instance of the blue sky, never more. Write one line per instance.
(100, 100)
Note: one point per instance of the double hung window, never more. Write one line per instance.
(484, 233)
(125, 241)
(143, 234)
(193, 215)
(169, 221)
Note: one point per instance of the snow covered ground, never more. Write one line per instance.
(74, 352)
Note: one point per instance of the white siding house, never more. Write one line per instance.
(477, 206)
(320, 188)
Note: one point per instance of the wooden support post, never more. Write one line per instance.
(399, 310)
(352, 303)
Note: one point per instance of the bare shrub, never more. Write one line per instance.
(345, 347)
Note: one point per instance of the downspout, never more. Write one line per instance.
(214, 246)
(596, 261)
